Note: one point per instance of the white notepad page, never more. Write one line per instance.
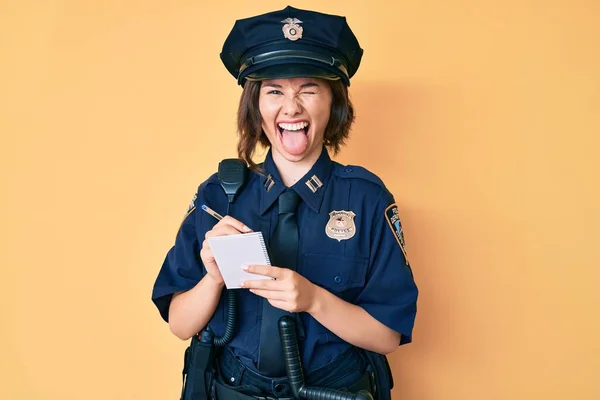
(232, 251)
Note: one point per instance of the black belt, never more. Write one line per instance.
(227, 393)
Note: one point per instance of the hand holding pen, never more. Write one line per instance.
(226, 220)
(226, 226)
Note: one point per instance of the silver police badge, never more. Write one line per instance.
(291, 29)
(341, 225)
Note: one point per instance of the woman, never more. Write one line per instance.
(339, 262)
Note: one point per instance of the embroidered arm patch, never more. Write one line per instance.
(191, 207)
(393, 219)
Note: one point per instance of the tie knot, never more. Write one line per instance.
(288, 202)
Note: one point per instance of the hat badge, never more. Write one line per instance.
(291, 29)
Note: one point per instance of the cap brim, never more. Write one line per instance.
(291, 71)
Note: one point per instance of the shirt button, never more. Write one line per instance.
(232, 379)
(337, 279)
(348, 169)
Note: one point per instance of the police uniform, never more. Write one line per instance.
(350, 237)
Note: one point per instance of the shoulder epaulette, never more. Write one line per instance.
(211, 179)
(356, 172)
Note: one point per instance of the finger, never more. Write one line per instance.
(273, 299)
(230, 221)
(266, 270)
(206, 253)
(270, 294)
(263, 284)
(222, 230)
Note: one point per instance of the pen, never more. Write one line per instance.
(212, 212)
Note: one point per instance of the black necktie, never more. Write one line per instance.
(284, 252)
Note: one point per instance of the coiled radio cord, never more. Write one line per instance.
(293, 367)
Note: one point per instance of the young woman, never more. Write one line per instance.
(338, 257)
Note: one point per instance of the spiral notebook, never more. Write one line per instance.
(232, 251)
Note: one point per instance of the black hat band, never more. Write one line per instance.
(301, 54)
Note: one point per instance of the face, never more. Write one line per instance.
(295, 113)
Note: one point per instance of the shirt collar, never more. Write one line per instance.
(311, 187)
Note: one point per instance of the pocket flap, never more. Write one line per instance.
(336, 273)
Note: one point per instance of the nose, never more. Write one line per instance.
(291, 107)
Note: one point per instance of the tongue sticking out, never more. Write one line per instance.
(294, 142)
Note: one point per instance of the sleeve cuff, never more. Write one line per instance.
(400, 321)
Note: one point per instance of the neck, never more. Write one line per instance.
(290, 171)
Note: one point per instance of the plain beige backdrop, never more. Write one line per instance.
(482, 117)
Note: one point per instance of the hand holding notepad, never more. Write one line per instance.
(233, 251)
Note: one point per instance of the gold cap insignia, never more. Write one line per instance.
(291, 29)
(340, 225)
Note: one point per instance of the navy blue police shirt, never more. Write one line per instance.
(350, 243)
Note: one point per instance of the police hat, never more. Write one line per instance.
(291, 43)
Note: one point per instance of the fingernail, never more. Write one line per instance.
(246, 229)
(242, 284)
(245, 267)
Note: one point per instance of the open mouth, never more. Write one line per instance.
(293, 137)
(296, 127)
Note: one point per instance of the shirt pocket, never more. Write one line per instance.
(345, 276)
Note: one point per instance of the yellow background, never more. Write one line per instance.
(482, 117)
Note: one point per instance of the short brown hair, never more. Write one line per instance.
(250, 128)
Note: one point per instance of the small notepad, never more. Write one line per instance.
(232, 251)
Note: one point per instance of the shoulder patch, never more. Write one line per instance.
(192, 205)
(353, 171)
(190, 210)
(393, 218)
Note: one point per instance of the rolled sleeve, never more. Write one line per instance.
(182, 268)
(390, 293)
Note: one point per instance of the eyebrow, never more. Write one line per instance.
(303, 86)
(308, 84)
